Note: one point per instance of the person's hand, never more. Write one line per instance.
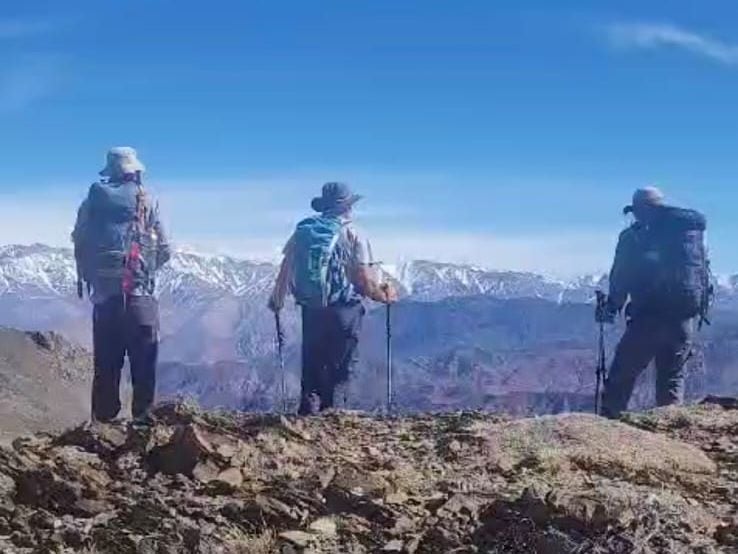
(389, 293)
(275, 305)
(604, 312)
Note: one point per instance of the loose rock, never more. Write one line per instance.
(658, 482)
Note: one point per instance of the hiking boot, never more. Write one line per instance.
(142, 421)
(341, 395)
(310, 404)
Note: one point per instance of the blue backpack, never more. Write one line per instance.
(116, 247)
(320, 263)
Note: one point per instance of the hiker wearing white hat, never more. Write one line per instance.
(119, 245)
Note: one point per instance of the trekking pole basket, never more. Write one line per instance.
(280, 358)
(601, 358)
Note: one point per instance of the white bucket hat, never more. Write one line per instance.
(122, 160)
(647, 196)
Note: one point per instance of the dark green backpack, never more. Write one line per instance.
(675, 263)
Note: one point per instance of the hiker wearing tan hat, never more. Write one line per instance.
(119, 245)
(661, 270)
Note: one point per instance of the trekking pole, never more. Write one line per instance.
(280, 357)
(601, 363)
(388, 331)
(389, 358)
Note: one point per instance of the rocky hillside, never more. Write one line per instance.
(660, 482)
(44, 382)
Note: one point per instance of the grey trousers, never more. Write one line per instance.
(330, 342)
(668, 343)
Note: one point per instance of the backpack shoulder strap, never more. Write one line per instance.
(145, 208)
(141, 208)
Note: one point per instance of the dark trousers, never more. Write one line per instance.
(668, 343)
(330, 341)
(123, 328)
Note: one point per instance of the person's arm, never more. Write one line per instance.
(80, 224)
(621, 272)
(285, 278)
(163, 248)
(710, 284)
(79, 239)
(367, 284)
(364, 275)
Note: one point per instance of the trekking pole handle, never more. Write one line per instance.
(385, 288)
(601, 297)
(601, 305)
(280, 330)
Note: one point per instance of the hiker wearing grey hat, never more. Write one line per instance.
(661, 270)
(644, 199)
(121, 161)
(119, 245)
(327, 268)
(335, 198)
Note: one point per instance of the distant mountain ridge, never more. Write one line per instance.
(49, 270)
(43, 270)
(431, 281)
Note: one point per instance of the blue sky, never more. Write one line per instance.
(507, 134)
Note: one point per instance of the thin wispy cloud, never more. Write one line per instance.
(664, 35)
(560, 253)
(22, 28)
(254, 223)
(27, 76)
(31, 79)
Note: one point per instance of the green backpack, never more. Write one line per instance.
(320, 270)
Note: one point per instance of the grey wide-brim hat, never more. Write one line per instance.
(647, 196)
(122, 160)
(335, 197)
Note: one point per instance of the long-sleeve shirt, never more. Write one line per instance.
(623, 274)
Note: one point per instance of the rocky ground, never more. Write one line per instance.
(663, 481)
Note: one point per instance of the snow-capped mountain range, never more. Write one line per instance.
(40, 270)
(44, 270)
